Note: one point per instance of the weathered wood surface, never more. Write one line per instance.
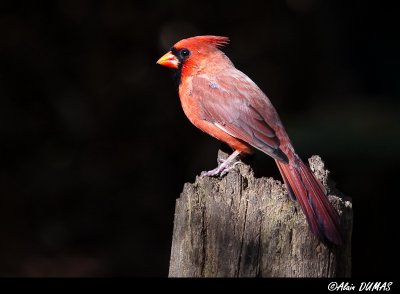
(243, 226)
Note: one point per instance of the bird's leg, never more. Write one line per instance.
(224, 167)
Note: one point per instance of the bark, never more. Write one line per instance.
(244, 226)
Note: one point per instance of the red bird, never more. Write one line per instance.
(223, 102)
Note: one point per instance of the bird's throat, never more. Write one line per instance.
(177, 75)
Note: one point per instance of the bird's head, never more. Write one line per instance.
(193, 53)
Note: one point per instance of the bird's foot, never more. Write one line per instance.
(224, 167)
(221, 171)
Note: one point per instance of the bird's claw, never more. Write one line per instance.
(221, 170)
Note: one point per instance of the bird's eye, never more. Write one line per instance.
(185, 53)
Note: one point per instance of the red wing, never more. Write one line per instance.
(231, 103)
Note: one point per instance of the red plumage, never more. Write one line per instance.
(223, 102)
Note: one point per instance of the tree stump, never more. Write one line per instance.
(243, 226)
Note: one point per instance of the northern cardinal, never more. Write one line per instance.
(223, 102)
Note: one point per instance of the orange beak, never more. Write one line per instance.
(169, 60)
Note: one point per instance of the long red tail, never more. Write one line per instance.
(309, 192)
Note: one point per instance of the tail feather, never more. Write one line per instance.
(320, 214)
(286, 181)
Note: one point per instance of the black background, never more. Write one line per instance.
(95, 147)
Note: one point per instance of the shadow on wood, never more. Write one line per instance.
(243, 226)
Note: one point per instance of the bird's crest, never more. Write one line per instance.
(200, 41)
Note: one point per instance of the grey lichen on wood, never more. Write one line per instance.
(244, 226)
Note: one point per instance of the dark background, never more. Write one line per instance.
(95, 147)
